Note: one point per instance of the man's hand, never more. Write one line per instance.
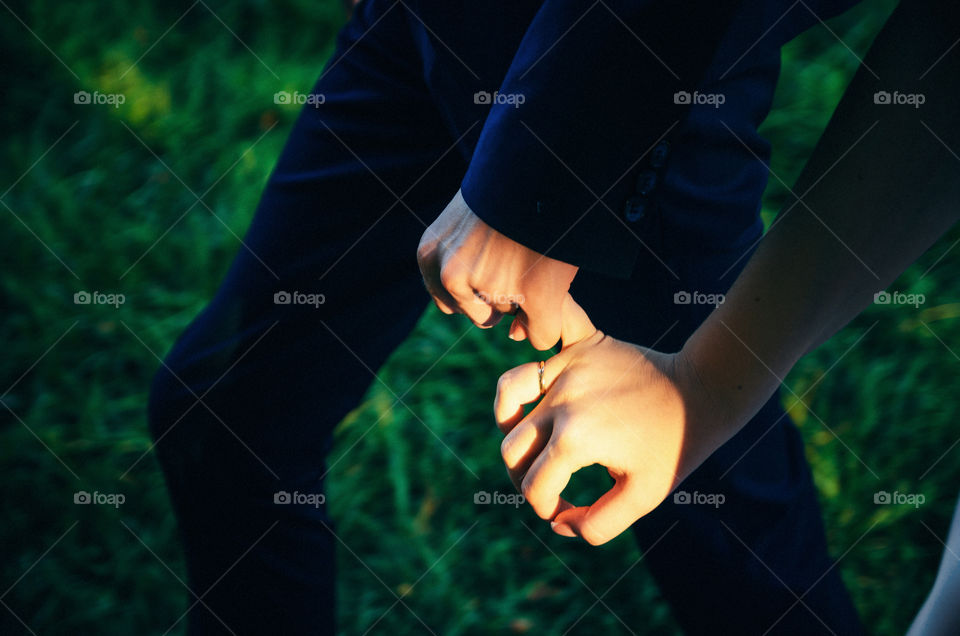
(639, 413)
(468, 267)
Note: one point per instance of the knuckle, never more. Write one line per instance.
(428, 250)
(507, 450)
(528, 492)
(449, 276)
(424, 252)
(568, 439)
(504, 383)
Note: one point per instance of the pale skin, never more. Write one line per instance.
(470, 268)
(590, 385)
(652, 418)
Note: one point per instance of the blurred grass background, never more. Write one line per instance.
(87, 191)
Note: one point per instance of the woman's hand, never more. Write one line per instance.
(638, 412)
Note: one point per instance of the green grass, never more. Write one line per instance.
(201, 101)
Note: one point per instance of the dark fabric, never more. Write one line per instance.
(599, 84)
(360, 177)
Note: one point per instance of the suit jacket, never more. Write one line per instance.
(583, 102)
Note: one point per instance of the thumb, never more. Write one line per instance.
(575, 324)
(521, 385)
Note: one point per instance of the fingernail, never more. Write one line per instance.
(562, 529)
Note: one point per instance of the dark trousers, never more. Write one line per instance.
(360, 177)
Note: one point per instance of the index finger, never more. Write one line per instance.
(605, 519)
(521, 386)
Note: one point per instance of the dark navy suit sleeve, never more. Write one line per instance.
(597, 87)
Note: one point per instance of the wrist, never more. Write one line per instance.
(706, 423)
(717, 404)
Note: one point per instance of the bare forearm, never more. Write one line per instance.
(880, 188)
